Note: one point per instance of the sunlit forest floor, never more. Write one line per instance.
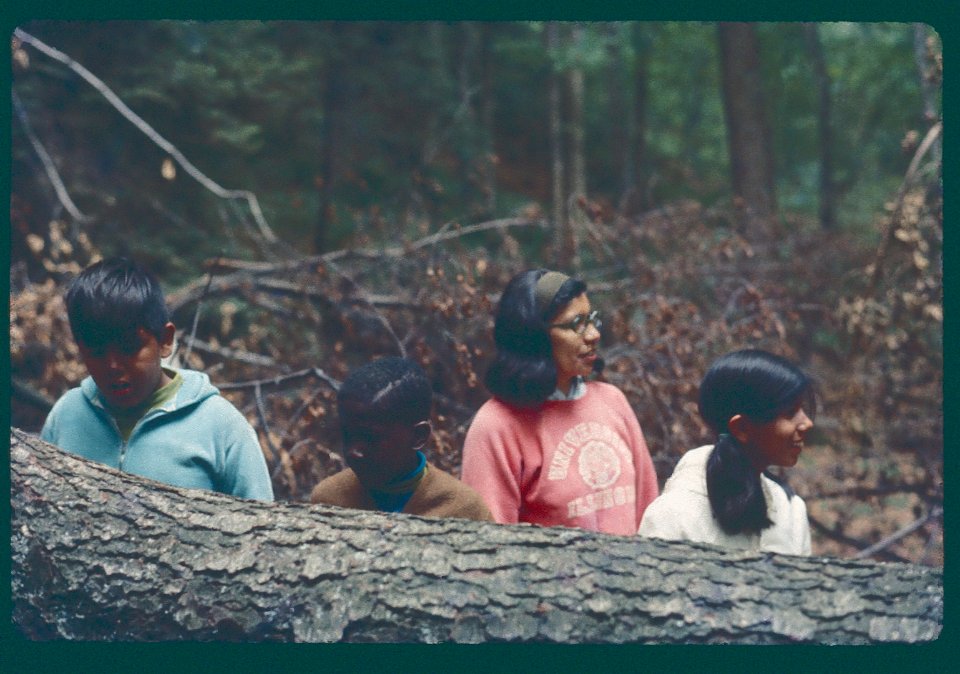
(677, 287)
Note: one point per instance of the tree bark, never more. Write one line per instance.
(636, 198)
(576, 213)
(332, 95)
(926, 70)
(748, 134)
(488, 129)
(616, 75)
(828, 193)
(564, 243)
(929, 70)
(103, 555)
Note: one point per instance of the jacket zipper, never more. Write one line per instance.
(123, 443)
(123, 451)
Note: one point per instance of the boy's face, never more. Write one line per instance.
(128, 372)
(380, 451)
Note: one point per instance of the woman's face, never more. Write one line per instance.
(574, 354)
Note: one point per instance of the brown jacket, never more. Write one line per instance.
(438, 495)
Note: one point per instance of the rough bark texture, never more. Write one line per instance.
(828, 193)
(97, 554)
(578, 162)
(748, 133)
(564, 242)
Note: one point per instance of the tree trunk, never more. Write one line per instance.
(926, 70)
(748, 135)
(642, 200)
(103, 555)
(332, 96)
(828, 194)
(576, 208)
(616, 75)
(564, 245)
(488, 164)
(930, 79)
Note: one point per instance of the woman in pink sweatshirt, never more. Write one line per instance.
(550, 447)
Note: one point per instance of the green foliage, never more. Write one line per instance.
(245, 101)
(686, 132)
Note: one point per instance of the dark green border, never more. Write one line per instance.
(930, 11)
(19, 655)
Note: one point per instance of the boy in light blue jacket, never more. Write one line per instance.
(137, 416)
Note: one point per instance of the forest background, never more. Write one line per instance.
(316, 194)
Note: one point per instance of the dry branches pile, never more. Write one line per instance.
(677, 288)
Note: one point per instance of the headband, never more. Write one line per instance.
(546, 289)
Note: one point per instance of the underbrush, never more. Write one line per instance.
(677, 288)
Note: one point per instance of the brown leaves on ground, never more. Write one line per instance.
(677, 288)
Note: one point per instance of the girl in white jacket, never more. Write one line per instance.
(758, 404)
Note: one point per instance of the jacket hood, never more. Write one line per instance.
(196, 387)
(690, 472)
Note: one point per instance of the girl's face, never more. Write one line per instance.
(778, 442)
(574, 353)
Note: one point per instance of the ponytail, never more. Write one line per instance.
(733, 488)
(760, 386)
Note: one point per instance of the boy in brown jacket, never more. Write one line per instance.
(384, 409)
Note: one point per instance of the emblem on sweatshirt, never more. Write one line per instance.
(598, 451)
(599, 456)
(599, 465)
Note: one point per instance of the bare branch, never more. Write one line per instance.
(262, 414)
(196, 317)
(299, 290)
(840, 537)
(897, 215)
(881, 546)
(283, 379)
(295, 417)
(265, 231)
(243, 270)
(362, 293)
(30, 395)
(504, 223)
(231, 354)
(48, 165)
(866, 492)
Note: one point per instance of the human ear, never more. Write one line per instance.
(739, 427)
(421, 434)
(166, 343)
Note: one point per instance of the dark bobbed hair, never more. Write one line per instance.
(523, 372)
(760, 386)
(111, 299)
(388, 389)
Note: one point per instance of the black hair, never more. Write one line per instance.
(392, 389)
(523, 372)
(760, 386)
(111, 299)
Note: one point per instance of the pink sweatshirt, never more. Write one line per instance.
(574, 463)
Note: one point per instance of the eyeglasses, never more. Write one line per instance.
(579, 323)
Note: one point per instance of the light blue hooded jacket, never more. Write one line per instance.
(197, 440)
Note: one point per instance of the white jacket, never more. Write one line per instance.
(682, 512)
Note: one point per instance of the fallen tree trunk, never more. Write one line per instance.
(102, 555)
